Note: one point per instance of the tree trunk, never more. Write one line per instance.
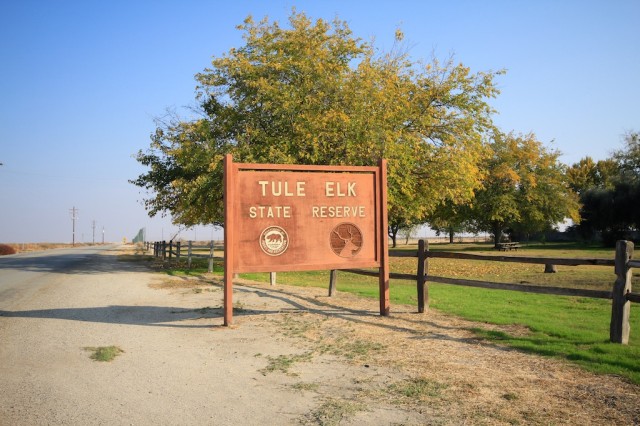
(393, 233)
(451, 235)
(497, 233)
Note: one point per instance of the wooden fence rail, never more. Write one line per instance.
(621, 294)
(167, 250)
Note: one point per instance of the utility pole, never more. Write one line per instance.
(74, 216)
(103, 235)
(93, 227)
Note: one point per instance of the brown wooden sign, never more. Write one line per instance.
(294, 218)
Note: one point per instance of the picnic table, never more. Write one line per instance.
(508, 246)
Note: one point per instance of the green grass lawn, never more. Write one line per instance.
(571, 328)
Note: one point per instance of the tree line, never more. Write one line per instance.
(609, 192)
(311, 92)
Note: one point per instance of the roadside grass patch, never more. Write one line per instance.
(103, 353)
(196, 285)
(294, 326)
(417, 389)
(199, 267)
(239, 307)
(207, 310)
(306, 386)
(134, 258)
(283, 363)
(332, 412)
(510, 396)
(351, 349)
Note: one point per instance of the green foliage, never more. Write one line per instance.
(628, 158)
(525, 189)
(451, 218)
(312, 93)
(185, 172)
(587, 174)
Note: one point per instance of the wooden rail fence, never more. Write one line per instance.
(167, 251)
(621, 294)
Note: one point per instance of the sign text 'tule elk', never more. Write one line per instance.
(285, 188)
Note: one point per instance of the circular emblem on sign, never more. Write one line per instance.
(274, 241)
(346, 240)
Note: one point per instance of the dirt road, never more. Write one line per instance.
(293, 356)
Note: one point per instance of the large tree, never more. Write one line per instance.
(525, 189)
(312, 93)
(450, 218)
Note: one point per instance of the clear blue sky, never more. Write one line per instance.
(82, 81)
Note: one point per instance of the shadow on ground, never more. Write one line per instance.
(287, 302)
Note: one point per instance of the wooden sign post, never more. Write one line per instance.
(302, 218)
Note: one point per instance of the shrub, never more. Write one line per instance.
(5, 249)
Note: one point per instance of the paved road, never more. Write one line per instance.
(23, 274)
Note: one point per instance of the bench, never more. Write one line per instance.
(508, 246)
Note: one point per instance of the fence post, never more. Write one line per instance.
(620, 306)
(272, 278)
(210, 269)
(178, 244)
(170, 249)
(189, 254)
(421, 282)
(164, 249)
(333, 278)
